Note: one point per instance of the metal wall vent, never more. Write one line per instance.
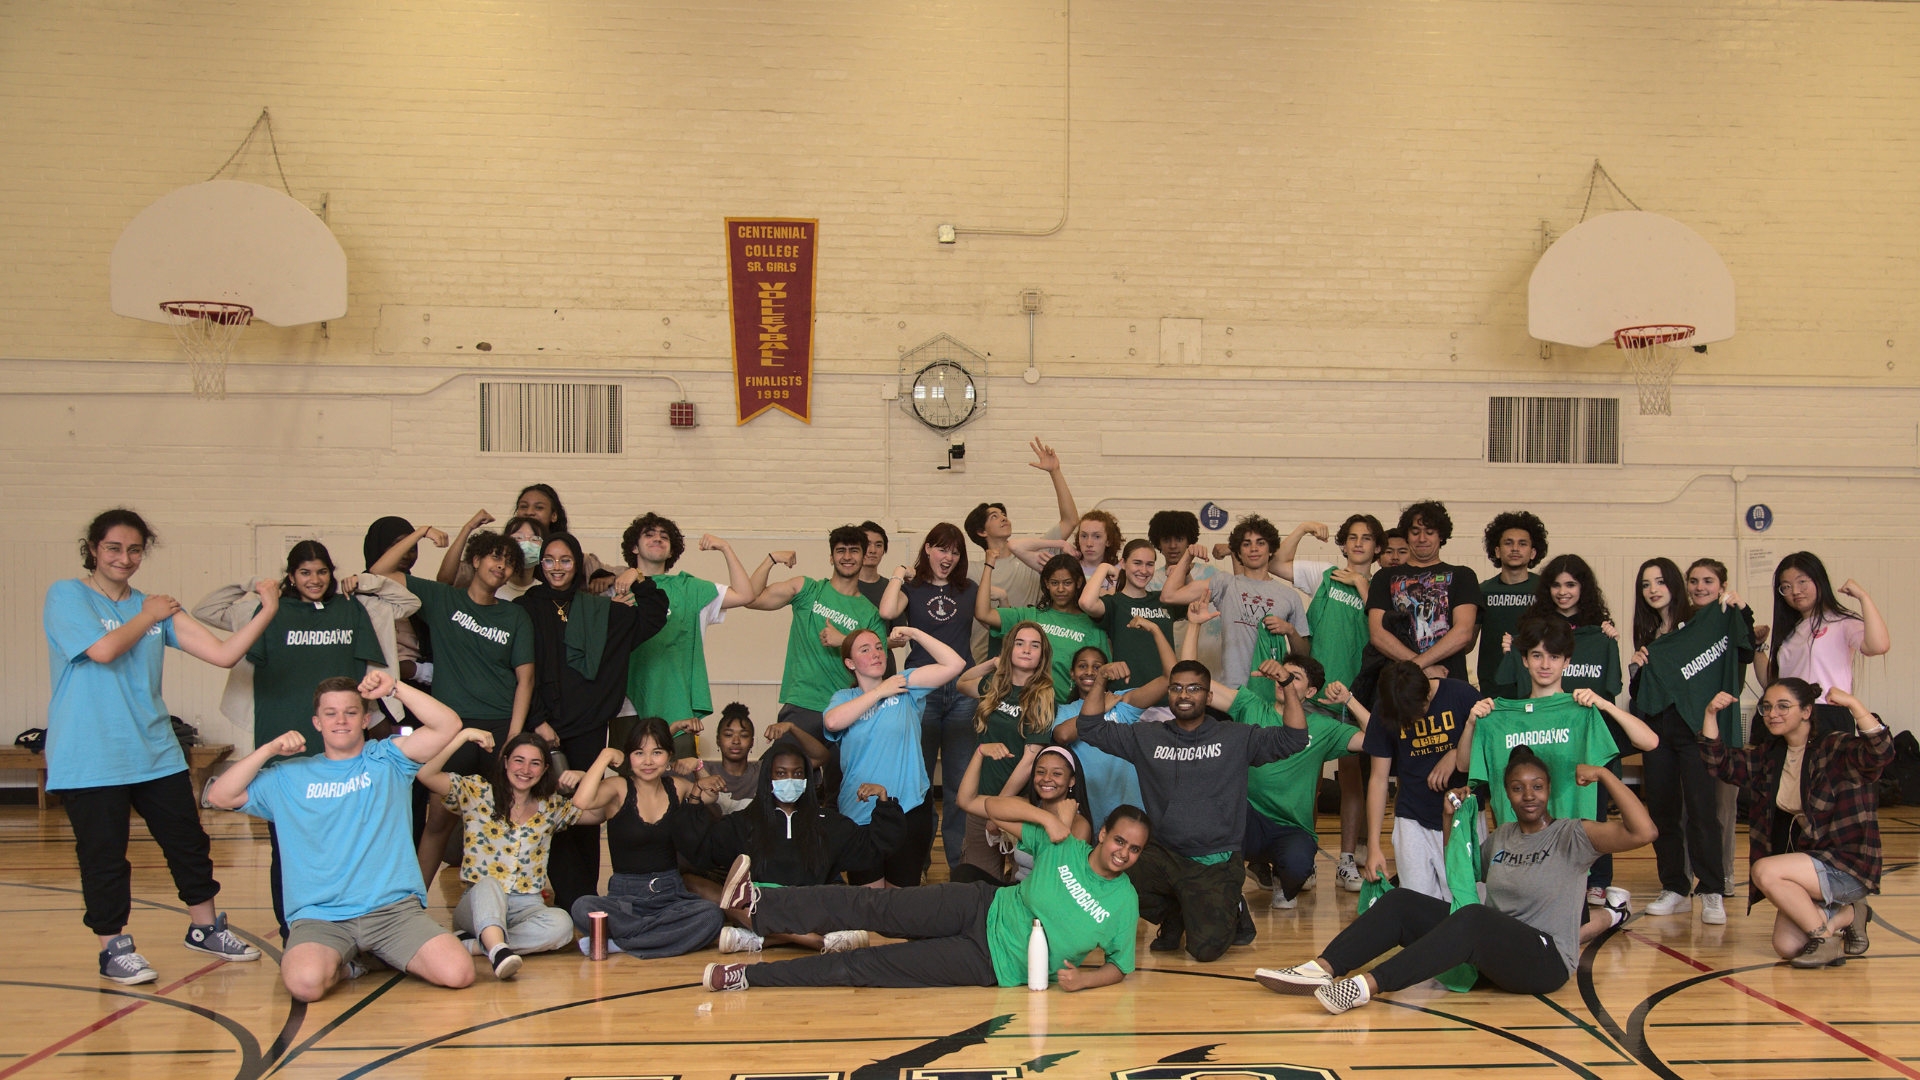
(549, 418)
(1553, 430)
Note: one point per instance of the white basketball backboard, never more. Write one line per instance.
(230, 242)
(1629, 268)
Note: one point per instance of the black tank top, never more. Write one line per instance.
(637, 847)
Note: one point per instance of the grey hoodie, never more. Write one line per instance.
(1194, 783)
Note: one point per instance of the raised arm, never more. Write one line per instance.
(589, 797)
(451, 564)
(1009, 813)
(436, 725)
(155, 609)
(947, 664)
(970, 679)
(1180, 590)
(816, 751)
(1290, 546)
(740, 589)
(390, 559)
(197, 641)
(1048, 462)
(843, 715)
(757, 581)
(983, 610)
(228, 791)
(1036, 550)
(1092, 597)
(778, 595)
(893, 602)
(432, 773)
(1635, 827)
(1638, 733)
(1875, 641)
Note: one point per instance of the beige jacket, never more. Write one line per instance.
(231, 607)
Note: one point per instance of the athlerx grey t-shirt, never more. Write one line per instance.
(1541, 879)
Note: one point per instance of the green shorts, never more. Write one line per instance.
(392, 933)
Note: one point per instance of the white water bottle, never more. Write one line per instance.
(1037, 958)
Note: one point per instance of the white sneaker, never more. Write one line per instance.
(1348, 875)
(1618, 897)
(1596, 897)
(843, 941)
(1299, 979)
(1339, 996)
(1312, 880)
(735, 939)
(1670, 903)
(1713, 910)
(1281, 900)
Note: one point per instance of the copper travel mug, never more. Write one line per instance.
(599, 934)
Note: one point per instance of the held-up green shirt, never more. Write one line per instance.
(1562, 732)
(1687, 667)
(1595, 666)
(814, 672)
(1136, 648)
(1500, 616)
(667, 674)
(1079, 910)
(1284, 791)
(1338, 614)
(305, 643)
(1067, 631)
(476, 648)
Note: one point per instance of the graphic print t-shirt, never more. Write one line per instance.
(1244, 604)
(1427, 595)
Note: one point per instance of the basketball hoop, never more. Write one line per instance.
(1651, 353)
(207, 330)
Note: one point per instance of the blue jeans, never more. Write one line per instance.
(946, 733)
(1288, 848)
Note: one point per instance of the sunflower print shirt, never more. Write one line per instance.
(513, 855)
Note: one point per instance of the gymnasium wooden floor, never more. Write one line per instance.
(1664, 997)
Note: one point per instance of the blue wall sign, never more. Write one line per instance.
(1759, 517)
(1213, 518)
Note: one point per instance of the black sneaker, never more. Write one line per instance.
(1244, 931)
(504, 960)
(1262, 872)
(216, 940)
(120, 963)
(1169, 937)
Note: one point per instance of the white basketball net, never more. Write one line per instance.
(1653, 352)
(208, 331)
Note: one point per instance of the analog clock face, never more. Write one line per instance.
(943, 395)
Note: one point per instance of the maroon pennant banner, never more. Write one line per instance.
(770, 265)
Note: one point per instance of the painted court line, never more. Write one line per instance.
(46, 1052)
(1821, 1026)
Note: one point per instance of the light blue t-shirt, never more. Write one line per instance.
(1110, 781)
(106, 724)
(883, 747)
(343, 831)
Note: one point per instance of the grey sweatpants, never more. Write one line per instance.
(530, 925)
(946, 925)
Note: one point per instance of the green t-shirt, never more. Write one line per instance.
(1562, 732)
(1136, 648)
(1690, 665)
(1338, 615)
(667, 675)
(304, 644)
(1500, 616)
(1463, 877)
(1068, 632)
(1004, 727)
(814, 672)
(476, 648)
(1079, 910)
(1595, 666)
(1284, 791)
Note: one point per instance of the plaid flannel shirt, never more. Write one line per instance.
(1838, 797)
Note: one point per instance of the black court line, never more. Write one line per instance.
(249, 1048)
(426, 1044)
(1582, 1024)
(299, 1012)
(1902, 933)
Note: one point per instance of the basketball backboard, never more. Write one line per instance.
(1629, 268)
(232, 242)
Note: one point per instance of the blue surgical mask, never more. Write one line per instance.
(530, 549)
(789, 791)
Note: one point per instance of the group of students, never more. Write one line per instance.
(383, 698)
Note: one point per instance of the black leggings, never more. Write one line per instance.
(1518, 958)
(946, 926)
(101, 826)
(573, 859)
(902, 868)
(1676, 777)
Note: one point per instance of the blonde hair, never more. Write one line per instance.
(1036, 698)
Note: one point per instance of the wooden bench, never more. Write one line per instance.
(200, 762)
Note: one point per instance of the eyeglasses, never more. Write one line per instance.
(550, 561)
(1767, 708)
(1789, 588)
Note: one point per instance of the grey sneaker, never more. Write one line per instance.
(121, 964)
(217, 940)
(1337, 997)
(1713, 910)
(844, 941)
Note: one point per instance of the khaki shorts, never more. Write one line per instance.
(393, 933)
